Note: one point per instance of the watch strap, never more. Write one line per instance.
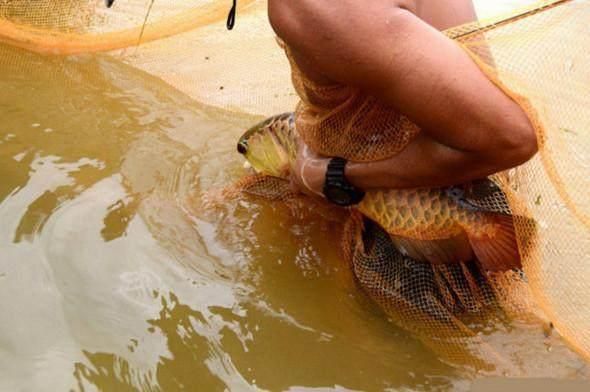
(336, 180)
(335, 172)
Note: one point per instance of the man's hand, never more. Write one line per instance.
(309, 171)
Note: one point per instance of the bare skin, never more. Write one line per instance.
(393, 49)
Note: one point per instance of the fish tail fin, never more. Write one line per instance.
(497, 249)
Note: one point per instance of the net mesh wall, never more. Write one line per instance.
(541, 54)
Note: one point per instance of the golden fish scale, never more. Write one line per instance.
(425, 214)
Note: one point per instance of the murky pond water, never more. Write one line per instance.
(108, 279)
(113, 277)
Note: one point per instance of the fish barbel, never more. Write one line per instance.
(436, 225)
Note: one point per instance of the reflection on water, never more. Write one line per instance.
(113, 277)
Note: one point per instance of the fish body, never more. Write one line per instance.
(436, 225)
(425, 214)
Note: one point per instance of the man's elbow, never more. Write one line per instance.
(519, 145)
(528, 148)
(525, 143)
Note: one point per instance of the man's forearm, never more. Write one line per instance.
(424, 163)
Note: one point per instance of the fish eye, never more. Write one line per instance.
(243, 147)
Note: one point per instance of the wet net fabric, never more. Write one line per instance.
(540, 57)
(336, 120)
(184, 43)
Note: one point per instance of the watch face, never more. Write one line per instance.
(339, 196)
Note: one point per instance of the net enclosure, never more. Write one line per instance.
(538, 55)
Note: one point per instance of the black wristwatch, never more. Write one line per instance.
(337, 189)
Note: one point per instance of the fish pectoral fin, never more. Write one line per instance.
(482, 196)
(447, 251)
(497, 250)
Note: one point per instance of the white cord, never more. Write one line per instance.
(305, 182)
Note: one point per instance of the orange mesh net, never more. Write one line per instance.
(336, 120)
(540, 53)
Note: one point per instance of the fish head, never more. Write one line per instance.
(270, 146)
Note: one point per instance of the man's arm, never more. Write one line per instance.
(470, 127)
(424, 163)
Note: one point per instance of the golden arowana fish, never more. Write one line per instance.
(437, 225)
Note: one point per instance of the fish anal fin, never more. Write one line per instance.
(446, 251)
(497, 248)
